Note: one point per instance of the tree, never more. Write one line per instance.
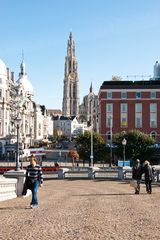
(74, 155)
(84, 147)
(139, 145)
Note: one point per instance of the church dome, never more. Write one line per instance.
(3, 70)
(23, 80)
(25, 84)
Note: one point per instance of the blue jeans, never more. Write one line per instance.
(34, 193)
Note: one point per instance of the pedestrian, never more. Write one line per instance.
(137, 174)
(35, 179)
(148, 171)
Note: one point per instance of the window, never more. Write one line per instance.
(153, 122)
(124, 107)
(109, 115)
(152, 95)
(39, 129)
(109, 108)
(153, 107)
(138, 95)
(123, 95)
(0, 93)
(153, 135)
(138, 120)
(109, 95)
(138, 115)
(109, 136)
(124, 117)
(138, 107)
(153, 115)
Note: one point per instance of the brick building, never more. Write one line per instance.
(127, 105)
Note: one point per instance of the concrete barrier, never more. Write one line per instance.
(8, 188)
(20, 176)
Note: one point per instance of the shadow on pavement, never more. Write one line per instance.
(13, 208)
(107, 194)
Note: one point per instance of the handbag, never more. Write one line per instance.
(133, 183)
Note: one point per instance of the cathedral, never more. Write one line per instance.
(88, 110)
(71, 99)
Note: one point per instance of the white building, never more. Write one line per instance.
(68, 126)
(17, 103)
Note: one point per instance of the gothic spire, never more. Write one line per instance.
(23, 66)
(91, 88)
(71, 46)
(70, 105)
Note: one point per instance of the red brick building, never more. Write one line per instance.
(126, 105)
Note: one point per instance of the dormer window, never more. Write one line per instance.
(109, 95)
(138, 95)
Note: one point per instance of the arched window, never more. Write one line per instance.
(153, 135)
(108, 136)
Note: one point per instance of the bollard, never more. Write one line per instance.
(120, 173)
(61, 172)
(90, 173)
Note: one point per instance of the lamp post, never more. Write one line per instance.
(110, 141)
(91, 156)
(31, 128)
(124, 142)
(17, 123)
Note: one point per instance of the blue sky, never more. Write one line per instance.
(112, 37)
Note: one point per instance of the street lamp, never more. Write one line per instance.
(18, 121)
(124, 142)
(31, 128)
(91, 156)
(110, 141)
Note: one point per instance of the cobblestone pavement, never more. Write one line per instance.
(83, 210)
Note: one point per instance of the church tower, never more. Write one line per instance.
(71, 98)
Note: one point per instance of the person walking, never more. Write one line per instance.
(148, 171)
(137, 174)
(34, 179)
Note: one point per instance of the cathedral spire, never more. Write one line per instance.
(71, 82)
(71, 46)
(91, 88)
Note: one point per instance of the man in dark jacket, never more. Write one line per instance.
(148, 171)
(136, 175)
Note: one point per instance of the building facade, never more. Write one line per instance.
(19, 113)
(127, 105)
(71, 99)
(68, 126)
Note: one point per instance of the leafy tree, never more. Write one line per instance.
(74, 155)
(84, 147)
(139, 145)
